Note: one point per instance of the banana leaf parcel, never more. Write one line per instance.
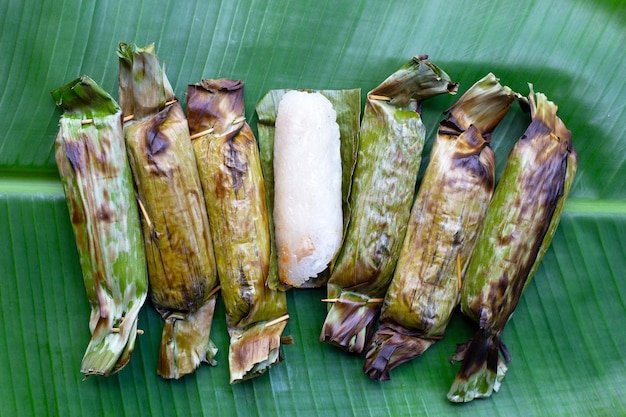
(391, 140)
(230, 170)
(520, 223)
(179, 249)
(92, 162)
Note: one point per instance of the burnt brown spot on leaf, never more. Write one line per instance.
(76, 155)
(450, 127)
(350, 316)
(474, 157)
(237, 165)
(104, 213)
(156, 141)
(78, 217)
(482, 350)
(222, 184)
(214, 103)
(392, 346)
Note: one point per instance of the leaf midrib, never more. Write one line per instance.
(48, 184)
(21, 183)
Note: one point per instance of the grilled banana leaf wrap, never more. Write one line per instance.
(96, 177)
(230, 170)
(179, 249)
(445, 219)
(347, 105)
(520, 223)
(389, 155)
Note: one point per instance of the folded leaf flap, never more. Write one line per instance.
(143, 86)
(418, 80)
(84, 98)
(215, 104)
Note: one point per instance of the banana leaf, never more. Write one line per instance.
(567, 335)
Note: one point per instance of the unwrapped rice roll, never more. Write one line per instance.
(307, 201)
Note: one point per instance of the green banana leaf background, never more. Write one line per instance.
(567, 337)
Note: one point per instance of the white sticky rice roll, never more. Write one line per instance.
(307, 184)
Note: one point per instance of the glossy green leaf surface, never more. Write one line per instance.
(567, 336)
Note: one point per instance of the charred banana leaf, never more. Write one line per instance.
(445, 219)
(390, 151)
(347, 104)
(230, 170)
(179, 250)
(519, 226)
(93, 166)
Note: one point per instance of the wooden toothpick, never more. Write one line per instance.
(370, 301)
(378, 97)
(200, 134)
(458, 270)
(132, 116)
(213, 291)
(278, 320)
(145, 213)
